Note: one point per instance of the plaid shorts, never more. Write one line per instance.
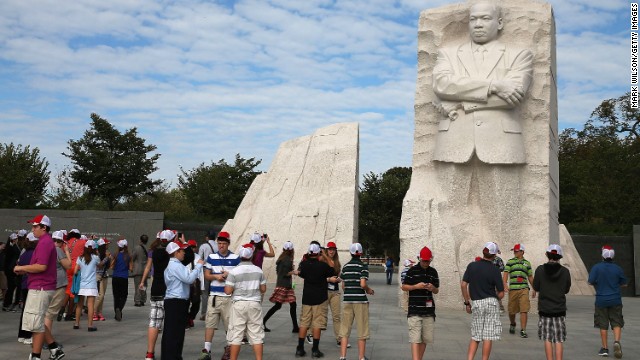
(552, 329)
(485, 319)
(156, 314)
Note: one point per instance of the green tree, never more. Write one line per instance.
(216, 190)
(381, 197)
(24, 176)
(599, 171)
(172, 202)
(112, 165)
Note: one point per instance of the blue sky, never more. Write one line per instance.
(204, 80)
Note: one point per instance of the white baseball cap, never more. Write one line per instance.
(90, 244)
(167, 235)
(608, 252)
(246, 251)
(314, 249)
(490, 248)
(555, 249)
(355, 249)
(122, 243)
(175, 246)
(256, 238)
(288, 245)
(58, 235)
(22, 232)
(31, 237)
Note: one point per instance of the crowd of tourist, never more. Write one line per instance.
(63, 275)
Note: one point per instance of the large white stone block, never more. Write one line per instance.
(455, 207)
(309, 193)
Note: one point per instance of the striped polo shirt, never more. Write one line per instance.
(246, 279)
(519, 271)
(217, 264)
(351, 274)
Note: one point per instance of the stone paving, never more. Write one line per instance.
(127, 339)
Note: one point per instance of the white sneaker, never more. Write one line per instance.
(28, 341)
(21, 340)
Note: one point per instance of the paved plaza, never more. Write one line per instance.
(127, 339)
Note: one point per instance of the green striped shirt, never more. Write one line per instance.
(351, 274)
(519, 271)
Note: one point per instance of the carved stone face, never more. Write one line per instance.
(484, 23)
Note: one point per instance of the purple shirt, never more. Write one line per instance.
(258, 258)
(44, 254)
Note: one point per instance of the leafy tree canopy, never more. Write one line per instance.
(111, 165)
(216, 190)
(599, 171)
(24, 176)
(381, 197)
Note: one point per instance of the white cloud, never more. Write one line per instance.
(205, 80)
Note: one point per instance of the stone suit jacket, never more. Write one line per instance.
(485, 123)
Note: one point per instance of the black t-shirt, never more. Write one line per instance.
(484, 280)
(315, 274)
(160, 261)
(421, 301)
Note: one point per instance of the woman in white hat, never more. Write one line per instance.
(284, 293)
(121, 266)
(87, 264)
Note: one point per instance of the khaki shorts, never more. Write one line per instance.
(359, 312)
(56, 303)
(35, 309)
(608, 316)
(519, 301)
(421, 329)
(245, 315)
(218, 308)
(314, 316)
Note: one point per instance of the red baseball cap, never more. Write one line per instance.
(223, 235)
(192, 243)
(331, 245)
(426, 254)
(518, 247)
(40, 220)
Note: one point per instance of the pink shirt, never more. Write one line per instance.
(44, 254)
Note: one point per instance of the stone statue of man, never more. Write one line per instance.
(480, 85)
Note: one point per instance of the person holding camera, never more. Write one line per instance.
(259, 252)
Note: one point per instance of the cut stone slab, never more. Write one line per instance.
(507, 202)
(309, 193)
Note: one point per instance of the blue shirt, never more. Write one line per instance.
(121, 267)
(607, 278)
(177, 277)
(88, 272)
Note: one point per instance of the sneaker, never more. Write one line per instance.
(101, 317)
(21, 340)
(60, 316)
(317, 354)
(343, 358)
(31, 357)
(96, 317)
(227, 353)
(300, 352)
(603, 352)
(28, 341)
(92, 329)
(512, 329)
(56, 354)
(309, 339)
(523, 334)
(338, 344)
(365, 358)
(204, 355)
(118, 315)
(150, 356)
(617, 349)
